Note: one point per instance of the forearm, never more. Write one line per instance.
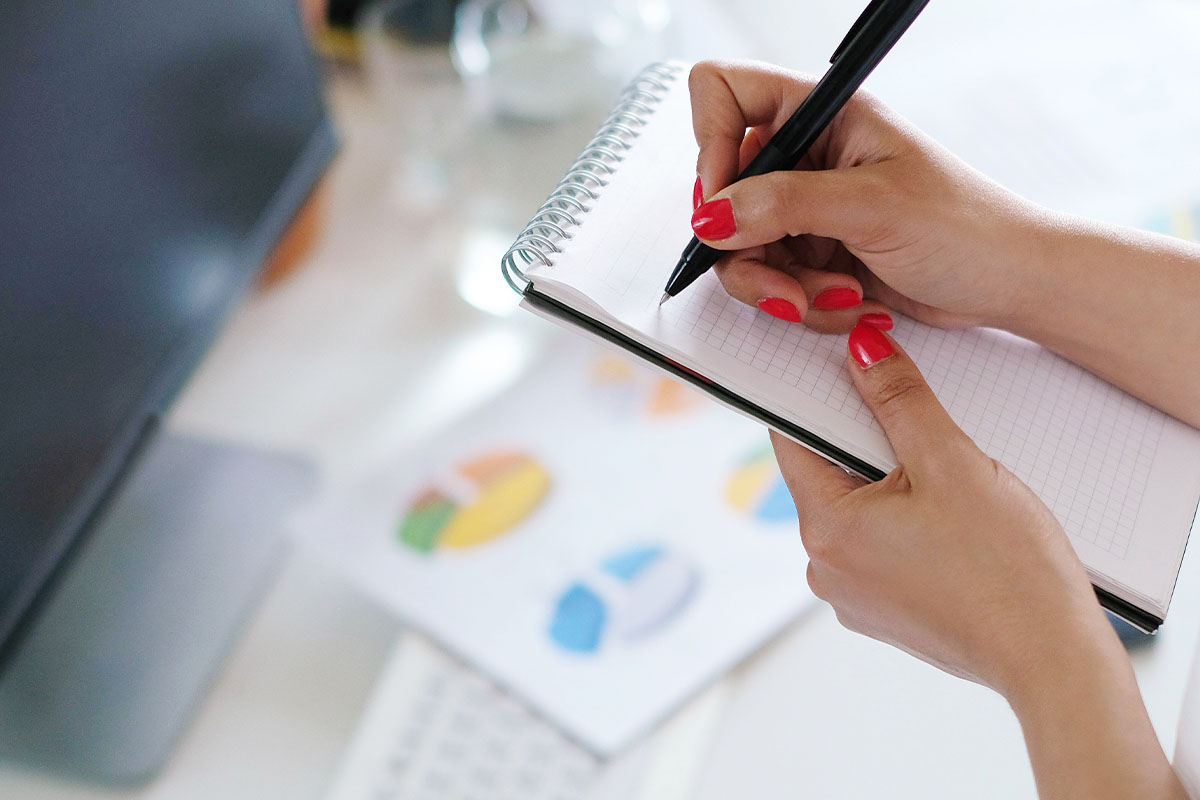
(1086, 727)
(1123, 304)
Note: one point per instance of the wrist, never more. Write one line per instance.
(1069, 663)
(1039, 275)
(1084, 723)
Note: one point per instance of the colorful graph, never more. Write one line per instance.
(631, 595)
(758, 489)
(632, 390)
(476, 502)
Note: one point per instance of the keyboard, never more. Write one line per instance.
(434, 729)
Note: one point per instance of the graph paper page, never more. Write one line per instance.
(1122, 477)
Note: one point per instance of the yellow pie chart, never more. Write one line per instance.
(478, 501)
(756, 488)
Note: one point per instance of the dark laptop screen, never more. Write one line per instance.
(150, 153)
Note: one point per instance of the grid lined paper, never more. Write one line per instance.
(1084, 446)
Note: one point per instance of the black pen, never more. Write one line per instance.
(870, 38)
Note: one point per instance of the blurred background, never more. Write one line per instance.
(381, 322)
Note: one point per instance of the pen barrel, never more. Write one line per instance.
(845, 75)
(697, 259)
(769, 159)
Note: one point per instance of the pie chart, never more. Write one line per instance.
(630, 390)
(474, 503)
(756, 488)
(629, 596)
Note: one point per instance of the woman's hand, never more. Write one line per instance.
(954, 560)
(875, 210)
(950, 557)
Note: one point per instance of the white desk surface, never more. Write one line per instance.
(368, 348)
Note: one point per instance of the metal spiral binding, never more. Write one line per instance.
(563, 210)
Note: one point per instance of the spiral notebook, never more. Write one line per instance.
(1122, 477)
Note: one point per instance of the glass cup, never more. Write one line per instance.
(406, 52)
(547, 60)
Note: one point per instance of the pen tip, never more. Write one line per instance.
(665, 298)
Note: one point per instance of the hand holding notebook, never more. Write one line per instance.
(926, 558)
(1120, 476)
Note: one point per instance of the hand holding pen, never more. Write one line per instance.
(868, 41)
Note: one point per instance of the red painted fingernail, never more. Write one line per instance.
(837, 297)
(714, 220)
(869, 346)
(881, 322)
(779, 308)
(697, 194)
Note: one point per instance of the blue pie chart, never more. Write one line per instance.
(629, 596)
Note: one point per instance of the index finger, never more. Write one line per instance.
(814, 481)
(728, 98)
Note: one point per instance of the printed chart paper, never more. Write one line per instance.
(601, 541)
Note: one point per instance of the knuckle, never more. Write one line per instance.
(701, 72)
(898, 480)
(866, 107)
(777, 205)
(867, 100)
(815, 584)
(998, 471)
(821, 547)
(777, 186)
(1004, 480)
(899, 389)
(846, 620)
(738, 275)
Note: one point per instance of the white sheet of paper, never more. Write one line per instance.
(624, 495)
